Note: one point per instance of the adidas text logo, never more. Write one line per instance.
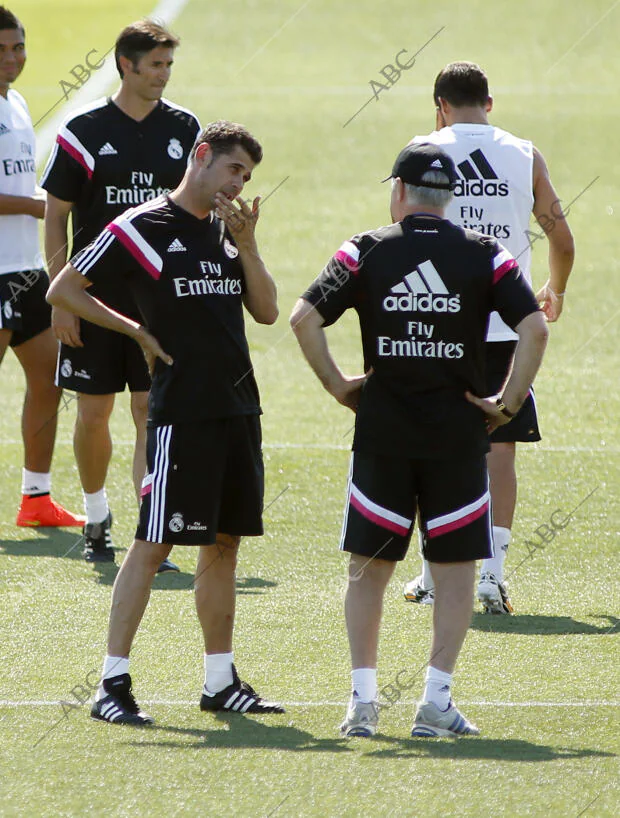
(422, 290)
(107, 150)
(176, 247)
(478, 178)
(4, 129)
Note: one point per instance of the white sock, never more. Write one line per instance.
(96, 506)
(218, 671)
(437, 688)
(501, 540)
(364, 680)
(36, 482)
(427, 577)
(112, 666)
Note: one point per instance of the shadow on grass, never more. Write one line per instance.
(239, 733)
(68, 545)
(236, 732)
(542, 625)
(49, 542)
(496, 749)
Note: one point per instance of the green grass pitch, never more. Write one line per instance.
(542, 685)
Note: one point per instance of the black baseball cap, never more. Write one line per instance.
(418, 158)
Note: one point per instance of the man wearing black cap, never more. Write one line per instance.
(423, 289)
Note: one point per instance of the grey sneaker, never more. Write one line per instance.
(414, 591)
(361, 719)
(493, 595)
(431, 722)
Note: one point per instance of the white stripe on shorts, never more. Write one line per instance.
(345, 516)
(155, 529)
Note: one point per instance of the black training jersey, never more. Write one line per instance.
(187, 280)
(423, 289)
(104, 162)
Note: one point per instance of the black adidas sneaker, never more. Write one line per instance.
(98, 541)
(119, 706)
(238, 697)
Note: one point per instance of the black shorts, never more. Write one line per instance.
(106, 363)
(202, 479)
(523, 428)
(23, 308)
(451, 497)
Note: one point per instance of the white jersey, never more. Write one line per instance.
(494, 193)
(19, 235)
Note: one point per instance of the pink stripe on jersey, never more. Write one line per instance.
(74, 152)
(349, 255)
(503, 269)
(458, 523)
(135, 251)
(146, 490)
(376, 516)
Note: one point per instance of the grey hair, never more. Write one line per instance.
(428, 196)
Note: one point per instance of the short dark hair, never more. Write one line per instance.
(461, 84)
(9, 21)
(139, 38)
(224, 136)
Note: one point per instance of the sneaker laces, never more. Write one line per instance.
(128, 701)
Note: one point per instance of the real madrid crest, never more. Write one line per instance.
(175, 149)
(230, 249)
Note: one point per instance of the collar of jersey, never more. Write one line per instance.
(425, 216)
(183, 213)
(136, 122)
(470, 126)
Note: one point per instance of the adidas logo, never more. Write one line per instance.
(107, 150)
(478, 177)
(422, 290)
(4, 129)
(437, 164)
(176, 247)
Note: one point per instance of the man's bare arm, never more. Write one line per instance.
(23, 205)
(68, 292)
(307, 324)
(65, 325)
(548, 212)
(260, 298)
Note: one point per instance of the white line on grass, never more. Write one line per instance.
(341, 447)
(166, 11)
(464, 703)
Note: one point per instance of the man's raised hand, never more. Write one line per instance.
(240, 220)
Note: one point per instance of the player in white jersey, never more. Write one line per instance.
(24, 315)
(503, 180)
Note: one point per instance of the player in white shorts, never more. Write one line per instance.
(25, 317)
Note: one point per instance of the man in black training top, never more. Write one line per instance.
(191, 263)
(423, 289)
(114, 153)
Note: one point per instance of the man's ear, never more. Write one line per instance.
(126, 65)
(489, 104)
(203, 152)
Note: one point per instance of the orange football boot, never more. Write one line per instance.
(43, 512)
